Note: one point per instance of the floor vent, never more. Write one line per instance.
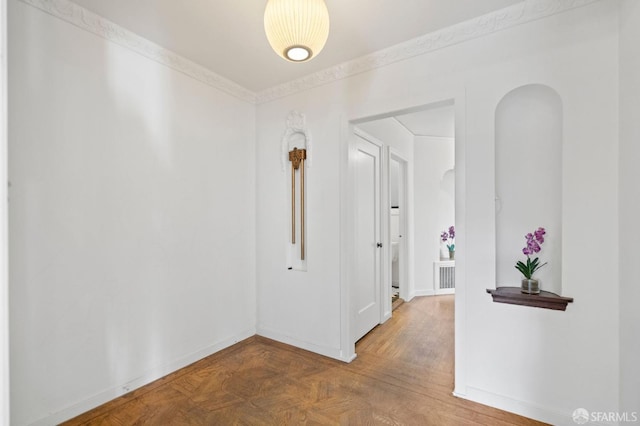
(445, 276)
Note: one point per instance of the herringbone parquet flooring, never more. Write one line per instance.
(403, 376)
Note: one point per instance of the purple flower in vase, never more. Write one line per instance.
(534, 242)
(445, 236)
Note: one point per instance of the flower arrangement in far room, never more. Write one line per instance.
(531, 285)
(447, 236)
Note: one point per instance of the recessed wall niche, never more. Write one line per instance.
(296, 158)
(528, 182)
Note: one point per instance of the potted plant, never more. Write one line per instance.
(531, 285)
(447, 236)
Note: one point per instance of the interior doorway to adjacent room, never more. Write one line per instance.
(416, 205)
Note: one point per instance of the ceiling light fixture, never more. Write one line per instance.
(296, 29)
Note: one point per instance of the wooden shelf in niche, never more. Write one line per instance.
(514, 296)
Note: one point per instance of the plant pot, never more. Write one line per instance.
(452, 254)
(530, 286)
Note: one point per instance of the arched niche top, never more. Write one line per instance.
(448, 181)
(538, 99)
(297, 139)
(534, 88)
(296, 135)
(528, 181)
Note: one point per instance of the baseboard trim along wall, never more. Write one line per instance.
(523, 408)
(334, 353)
(419, 293)
(150, 376)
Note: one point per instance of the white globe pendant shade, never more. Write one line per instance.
(296, 29)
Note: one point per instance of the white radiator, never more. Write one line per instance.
(444, 276)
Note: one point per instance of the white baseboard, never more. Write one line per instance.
(434, 293)
(523, 408)
(321, 350)
(410, 297)
(150, 376)
(428, 292)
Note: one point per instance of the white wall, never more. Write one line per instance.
(434, 205)
(629, 205)
(296, 307)
(537, 362)
(576, 55)
(4, 241)
(131, 218)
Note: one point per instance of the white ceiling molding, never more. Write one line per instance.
(527, 11)
(96, 24)
(521, 13)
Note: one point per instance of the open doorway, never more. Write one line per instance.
(417, 205)
(418, 178)
(398, 218)
(444, 122)
(433, 199)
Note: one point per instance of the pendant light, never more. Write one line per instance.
(296, 29)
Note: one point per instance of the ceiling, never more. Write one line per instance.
(228, 37)
(435, 121)
(439, 122)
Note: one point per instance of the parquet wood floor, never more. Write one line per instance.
(403, 376)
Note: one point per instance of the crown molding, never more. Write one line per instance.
(96, 24)
(521, 13)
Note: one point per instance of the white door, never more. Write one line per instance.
(366, 290)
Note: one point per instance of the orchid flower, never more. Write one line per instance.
(534, 242)
(445, 236)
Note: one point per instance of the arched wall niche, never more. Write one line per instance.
(528, 182)
(296, 136)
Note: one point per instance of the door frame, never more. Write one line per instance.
(383, 108)
(405, 230)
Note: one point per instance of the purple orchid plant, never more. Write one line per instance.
(534, 242)
(449, 235)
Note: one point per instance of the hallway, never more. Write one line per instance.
(403, 376)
